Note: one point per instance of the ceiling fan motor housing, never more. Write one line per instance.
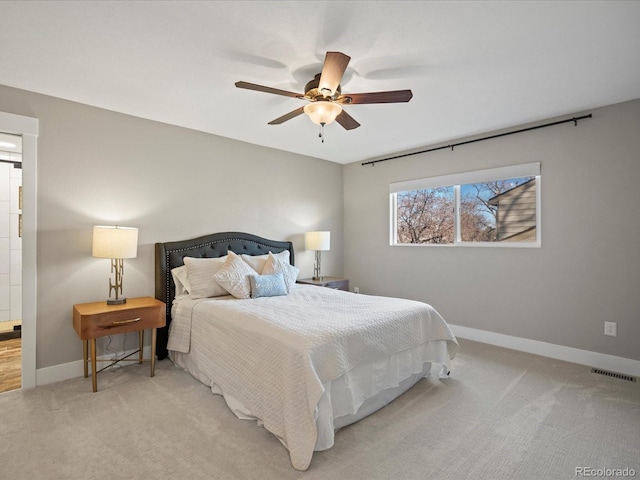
(312, 92)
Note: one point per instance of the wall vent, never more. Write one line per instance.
(620, 376)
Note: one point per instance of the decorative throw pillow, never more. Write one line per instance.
(200, 276)
(289, 272)
(181, 280)
(257, 261)
(234, 276)
(267, 285)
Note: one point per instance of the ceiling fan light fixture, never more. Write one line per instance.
(322, 112)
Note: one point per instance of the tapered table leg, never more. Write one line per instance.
(85, 357)
(140, 344)
(154, 334)
(94, 375)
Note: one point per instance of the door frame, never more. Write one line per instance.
(28, 129)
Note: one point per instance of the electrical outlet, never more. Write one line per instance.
(356, 289)
(611, 329)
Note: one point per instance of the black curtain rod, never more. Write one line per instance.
(452, 146)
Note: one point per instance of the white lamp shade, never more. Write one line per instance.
(115, 242)
(322, 112)
(317, 240)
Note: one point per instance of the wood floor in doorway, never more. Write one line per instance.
(10, 364)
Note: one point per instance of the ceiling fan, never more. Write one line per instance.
(326, 98)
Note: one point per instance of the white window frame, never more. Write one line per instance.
(456, 180)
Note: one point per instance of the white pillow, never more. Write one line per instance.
(257, 261)
(234, 276)
(181, 280)
(200, 275)
(289, 272)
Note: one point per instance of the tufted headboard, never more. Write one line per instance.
(171, 254)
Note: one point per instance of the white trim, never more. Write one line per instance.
(464, 178)
(29, 260)
(18, 124)
(28, 128)
(539, 211)
(568, 354)
(393, 219)
(67, 371)
(457, 228)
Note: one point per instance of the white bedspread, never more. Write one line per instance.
(274, 353)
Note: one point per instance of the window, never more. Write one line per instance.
(500, 206)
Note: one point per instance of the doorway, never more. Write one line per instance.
(10, 261)
(27, 129)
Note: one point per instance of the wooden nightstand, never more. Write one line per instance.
(94, 320)
(336, 283)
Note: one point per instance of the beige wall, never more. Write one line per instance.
(101, 167)
(587, 271)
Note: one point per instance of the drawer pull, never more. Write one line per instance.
(122, 322)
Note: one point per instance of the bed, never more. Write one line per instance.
(304, 361)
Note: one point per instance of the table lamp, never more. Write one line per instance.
(317, 241)
(116, 243)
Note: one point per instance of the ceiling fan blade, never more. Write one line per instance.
(288, 116)
(347, 121)
(335, 63)
(395, 96)
(261, 88)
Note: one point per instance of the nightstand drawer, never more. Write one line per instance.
(338, 285)
(335, 283)
(93, 320)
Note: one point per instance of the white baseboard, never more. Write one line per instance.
(559, 352)
(66, 371)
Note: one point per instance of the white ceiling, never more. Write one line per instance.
(473, 66)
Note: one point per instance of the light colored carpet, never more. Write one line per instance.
(502, 415)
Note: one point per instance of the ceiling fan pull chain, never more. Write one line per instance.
(321, 134)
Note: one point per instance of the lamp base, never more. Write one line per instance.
(117, 301)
